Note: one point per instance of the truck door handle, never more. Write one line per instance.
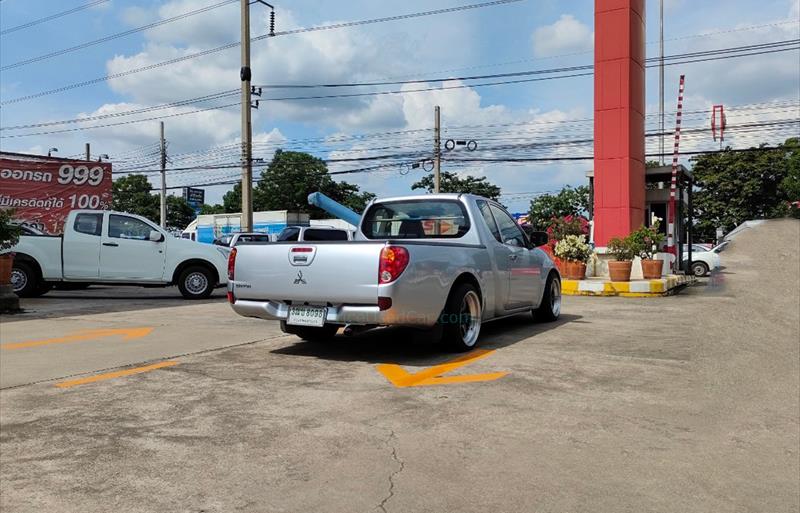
(111, 244)
(512, 257)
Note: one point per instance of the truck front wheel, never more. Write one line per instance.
(196, 282)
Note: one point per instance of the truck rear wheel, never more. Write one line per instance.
(309, 333)
(25, 280)
(196, 282)
(461, 319)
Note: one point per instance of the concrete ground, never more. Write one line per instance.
(686, 403)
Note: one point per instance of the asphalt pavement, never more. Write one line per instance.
(685, 403)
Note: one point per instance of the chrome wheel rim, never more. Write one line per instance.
(196, 283)
(469, 318)
(699, 270)
(18, 280)
(555, 297)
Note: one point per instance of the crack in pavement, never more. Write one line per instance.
(402, 465)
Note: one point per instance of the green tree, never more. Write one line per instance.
(212, 209)
(568, 202)
(132, 194)
(652, 163)
(232, 200)
(736, 186)
(291, 176)
(451, 182)
(179, 213)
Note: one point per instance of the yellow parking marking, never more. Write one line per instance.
(117, 374)
(126, 333)
(400, 378)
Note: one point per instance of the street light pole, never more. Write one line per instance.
(163, 162)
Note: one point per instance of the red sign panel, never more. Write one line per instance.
(42, 192)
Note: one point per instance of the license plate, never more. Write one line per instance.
(306, 316)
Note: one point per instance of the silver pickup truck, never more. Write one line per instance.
(445, 261)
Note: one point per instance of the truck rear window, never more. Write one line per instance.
(416, 219)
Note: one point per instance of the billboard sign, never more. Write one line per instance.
(194, 197)
(43, 191)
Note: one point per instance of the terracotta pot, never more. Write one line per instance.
(620, 271)
(6, 263)
(575, 270)
(651, 269)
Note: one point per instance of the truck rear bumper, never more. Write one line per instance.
(340, 314)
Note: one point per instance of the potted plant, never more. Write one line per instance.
(559, 228)
(574, 250)
(9, 236)
(648, 240)
(623, 250)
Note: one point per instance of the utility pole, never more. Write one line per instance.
(247, 126)
(163, 179)
(661, 80)
(437, 150)
(88, 153)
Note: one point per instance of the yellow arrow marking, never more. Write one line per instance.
(117, 374)
(432, 376)
(127, 334)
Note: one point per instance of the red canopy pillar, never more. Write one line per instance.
(619, 60)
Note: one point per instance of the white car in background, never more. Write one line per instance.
(703, 260)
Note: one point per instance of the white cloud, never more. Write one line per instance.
(567, 35)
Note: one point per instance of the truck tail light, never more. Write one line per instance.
(393, 261)
(231, 263)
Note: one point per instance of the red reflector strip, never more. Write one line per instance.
(384, 303)
(302, 250)
(230, 297)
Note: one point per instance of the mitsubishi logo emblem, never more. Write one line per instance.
(299, 280)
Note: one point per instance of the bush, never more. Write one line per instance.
(573, 247)
(647, 241)
(623, 249)
(561, 227)
(9, 231)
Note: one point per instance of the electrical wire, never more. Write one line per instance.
(51, 17)
(111, 37)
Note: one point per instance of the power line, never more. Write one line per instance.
(51, 17)
(702, 56)
(111, 37)
(237, 43)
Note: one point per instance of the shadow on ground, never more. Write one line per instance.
(412, 347)
(103, 299)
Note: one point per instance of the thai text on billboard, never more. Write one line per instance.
(42, 192)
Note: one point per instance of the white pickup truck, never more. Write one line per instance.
(106, 247)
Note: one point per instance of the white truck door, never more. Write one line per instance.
(81, 246)
(128, 254)
(525, 275)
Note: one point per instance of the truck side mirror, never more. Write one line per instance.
(156, 236)
(538, 238)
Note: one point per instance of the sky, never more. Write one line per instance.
(523, 119)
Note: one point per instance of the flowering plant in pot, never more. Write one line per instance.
(559, 228)
(623, 250)
(648, 240)
(576, 252)
(9, 236)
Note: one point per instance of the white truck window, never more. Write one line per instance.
(90, 224)
(509, 230)
(416, 219)
(124, 227)
(487, 216)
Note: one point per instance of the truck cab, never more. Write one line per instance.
(110, 247)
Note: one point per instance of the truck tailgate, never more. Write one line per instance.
(313, 272)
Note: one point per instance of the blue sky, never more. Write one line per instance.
(515, 37)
